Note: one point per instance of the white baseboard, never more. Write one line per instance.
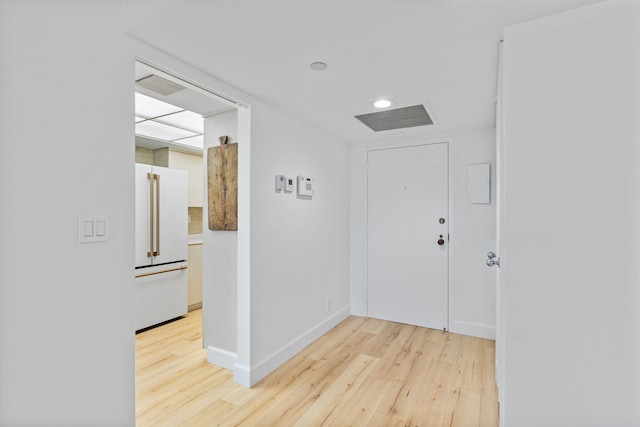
(275, 360)
(219, 357)
(473, 329)
(242, 375)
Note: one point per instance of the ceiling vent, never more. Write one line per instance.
(159, 85)
(398, 118)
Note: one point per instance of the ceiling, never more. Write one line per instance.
(175, 119)
(438, 53)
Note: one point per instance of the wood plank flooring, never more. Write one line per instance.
(364, 372)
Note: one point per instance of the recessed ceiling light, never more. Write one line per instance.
(383, 103)
(318, 66)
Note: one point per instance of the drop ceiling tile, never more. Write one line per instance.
(185, 119)
(194, 141)
(149, 107)
(161, 131)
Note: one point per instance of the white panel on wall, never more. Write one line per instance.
(479, 183)
(571, 235)
(66, 315)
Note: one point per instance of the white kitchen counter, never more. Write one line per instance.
(195, 239)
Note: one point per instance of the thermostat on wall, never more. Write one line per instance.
(288, 185)
(305, 186)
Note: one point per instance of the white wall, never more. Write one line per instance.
(299, 248)
(66, 149)
(472, 228)
(472, 284)
(572, 219)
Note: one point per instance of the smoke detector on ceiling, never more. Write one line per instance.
(159, 85)
(397, 118)
(318, 66)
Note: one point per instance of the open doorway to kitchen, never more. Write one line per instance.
(169, 133)
(176, 123)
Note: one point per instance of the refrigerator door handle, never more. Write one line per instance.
(150, 253)
(157, 252)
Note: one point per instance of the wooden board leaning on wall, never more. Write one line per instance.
(222, 185)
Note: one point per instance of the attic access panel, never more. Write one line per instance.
(398, 118)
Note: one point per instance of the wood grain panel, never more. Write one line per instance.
(222, 186)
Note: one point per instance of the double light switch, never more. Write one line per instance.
(92, 229)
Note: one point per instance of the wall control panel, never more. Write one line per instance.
(288, 185)
(305, 186)
(285, 184)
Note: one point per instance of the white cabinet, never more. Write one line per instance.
(192, 164)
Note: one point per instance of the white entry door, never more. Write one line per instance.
(407, 208)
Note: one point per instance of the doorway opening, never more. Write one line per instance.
(170, 121)
(177, 121)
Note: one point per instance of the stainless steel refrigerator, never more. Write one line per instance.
(161, 243)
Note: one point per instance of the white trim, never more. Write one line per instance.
(474, 329)
(242, 374)
(220, 357)
(275, 360)
(410, 142)
(450, 240)
(365, 213)
(202, 89)
(243, 267)
(430, 112)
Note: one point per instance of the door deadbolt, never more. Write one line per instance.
(441, 220)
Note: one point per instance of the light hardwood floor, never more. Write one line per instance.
(364, 372)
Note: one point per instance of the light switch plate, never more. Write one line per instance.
(92, 229)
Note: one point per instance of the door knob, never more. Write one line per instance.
(492, 260)
(441, 242)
